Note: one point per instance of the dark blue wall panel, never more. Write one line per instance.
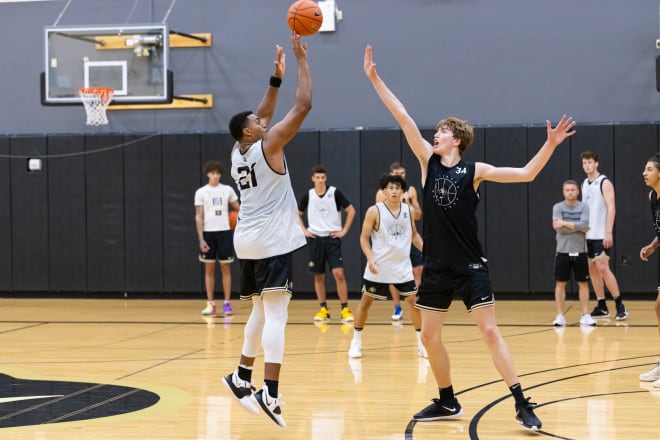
(181, 178)
(5, 216)
(67, 214)
(506, 212)
(29, 196)
(143, 213)
(106, 271)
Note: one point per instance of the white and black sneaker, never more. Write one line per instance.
(270, 405)
(439, 410)
(241, 390)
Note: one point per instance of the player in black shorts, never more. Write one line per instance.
(454, 262)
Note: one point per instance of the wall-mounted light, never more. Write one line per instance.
(35, 165)
(331, 15)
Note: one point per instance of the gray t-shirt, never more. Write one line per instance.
(572, 240)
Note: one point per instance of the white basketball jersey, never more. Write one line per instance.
(592, 195)
(268, 218)
(390, 245)
(215, 200)
(322, 214)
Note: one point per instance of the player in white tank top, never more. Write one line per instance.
(267, 231)
(268, 218)
(390, 246)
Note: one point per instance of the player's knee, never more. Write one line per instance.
(491, 335)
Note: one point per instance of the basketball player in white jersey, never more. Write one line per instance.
(387, 234)
(215, 236)
(267, 231)
(324, 232)
(598, 194)
(454, 261)
(409, 196)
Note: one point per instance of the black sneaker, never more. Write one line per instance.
(525, 415)
(439, 410)
(600, 312)
(621, 312)
(241, 390)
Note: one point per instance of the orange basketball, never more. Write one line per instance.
(305, 17)
(233, 218)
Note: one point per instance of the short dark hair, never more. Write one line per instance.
(319, 169)
(589, 155)
(394, 179)
(237, 124)
(655, 159)
(212, 165)
(397, 166)
(570, 182)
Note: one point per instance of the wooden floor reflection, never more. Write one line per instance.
(585, 380)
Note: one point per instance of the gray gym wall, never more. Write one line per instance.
(501, 62)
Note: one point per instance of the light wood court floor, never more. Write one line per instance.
(151, 369)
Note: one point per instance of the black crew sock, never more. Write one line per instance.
(602, 304)
(272, 387)
(446, 394)
(344, 305)
(324, 304)
(518, 395)
(245, 372)
(617, 300)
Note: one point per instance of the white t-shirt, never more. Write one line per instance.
(268, 219)
(215, 200)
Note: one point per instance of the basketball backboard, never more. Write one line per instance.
(131, 59)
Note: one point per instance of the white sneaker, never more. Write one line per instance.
(270, 405)
(652, 376)
(421, 351)
(586, 319)
(398, 314)
(356, 349)
(559, 321)
(656, 384)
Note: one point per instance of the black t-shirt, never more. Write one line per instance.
(450, 224)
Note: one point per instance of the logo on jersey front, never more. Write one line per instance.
(397, 232)
(445, 191)
(321, 211)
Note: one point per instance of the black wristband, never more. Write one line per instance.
(275, 81)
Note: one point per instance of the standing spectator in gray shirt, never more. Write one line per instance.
(570, 219)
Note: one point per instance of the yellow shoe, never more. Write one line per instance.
(346, 315)
(322, 315)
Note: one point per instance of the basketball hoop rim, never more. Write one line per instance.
(103, 93)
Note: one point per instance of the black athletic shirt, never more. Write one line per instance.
(450, 224)
(655, 210)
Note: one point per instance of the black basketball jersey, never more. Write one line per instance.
(450, 224)
(656, 213)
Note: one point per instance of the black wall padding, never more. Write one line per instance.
(506, 212)
(144, 214)
(634, 145)
(302, 152)
(340, 154)
(29, 196)
(5, 217)
(105, 214)
(544, 192)
(181, 178)
(67, 214)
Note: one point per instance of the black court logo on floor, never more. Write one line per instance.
(25, 402)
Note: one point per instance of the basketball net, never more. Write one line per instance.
(96, 101)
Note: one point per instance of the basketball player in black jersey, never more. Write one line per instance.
(453, 259)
